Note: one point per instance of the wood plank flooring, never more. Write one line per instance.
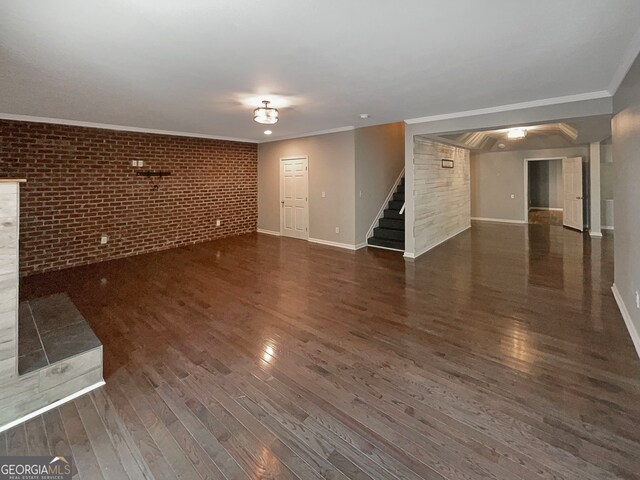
(545, 217)
(500, 354)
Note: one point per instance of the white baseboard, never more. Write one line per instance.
(498, 220)
(547, 208)
(606, 227)
(268, 232)
(595, 234)
(385, 248)
(51, 406)
(412, 256)
(346, 246)
(634, 330)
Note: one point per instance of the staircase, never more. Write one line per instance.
(390, 230)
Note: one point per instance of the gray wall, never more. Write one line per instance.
(379, 154)
(441, 195)
(331, 169)
(626, 156)
(546, 189)
(497, 175)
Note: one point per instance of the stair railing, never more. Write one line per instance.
(384, 205)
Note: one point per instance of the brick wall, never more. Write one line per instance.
(80, 184)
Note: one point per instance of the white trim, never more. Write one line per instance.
(268, 232)
(360, 245)
(386, 202)
(547, 209)
(497, 220)
(430, 247)
(385, 248)
(51, 406)
(108, 126)
(280, 172)
(606, 227)
(513, 106)
(633, 331)
(595, 234)
(628, 58)
(308, 134)
(347, 246)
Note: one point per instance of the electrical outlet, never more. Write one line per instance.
(104, 239)
(513, 196)
(637, 299)
(324, 194)
(217, 223)
(134, 163)
(141, 163)
(337, 229)
(360, 193)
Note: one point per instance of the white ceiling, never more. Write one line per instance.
(187, 66)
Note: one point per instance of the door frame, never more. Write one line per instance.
(526, 181)
(306, 161)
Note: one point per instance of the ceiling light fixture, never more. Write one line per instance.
(268, 132)
(265, 114)
(364, 115)
(516, 133)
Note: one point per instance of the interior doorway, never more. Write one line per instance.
(544, 191)
(294, 197)
(554, 192)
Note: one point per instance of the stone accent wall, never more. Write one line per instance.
(81, 184)
(442, 196)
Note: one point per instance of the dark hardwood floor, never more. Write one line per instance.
(545, 217)
(500, 354)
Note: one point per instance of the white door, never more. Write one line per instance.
(294, 201)
(573, 202)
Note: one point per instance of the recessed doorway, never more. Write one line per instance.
(544, 191)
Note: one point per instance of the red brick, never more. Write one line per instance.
(80, 184)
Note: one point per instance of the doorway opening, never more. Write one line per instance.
(554, 192)
(544, 191)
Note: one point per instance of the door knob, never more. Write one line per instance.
(578, 198)
(282, 202)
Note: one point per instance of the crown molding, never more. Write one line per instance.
(513, 106)
(121, 128)
(309, 134)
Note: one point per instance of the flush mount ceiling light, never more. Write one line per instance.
(265, 114)
(516, 133)
(268, 132)
(364, 115)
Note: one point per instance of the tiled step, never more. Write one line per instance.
(391, 223)
(51, 329)
(391, 213)
(396, 205)
(380, 242)
(388, 234)
(398, 197)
